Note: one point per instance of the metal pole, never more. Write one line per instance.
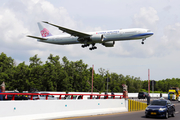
(149, 82)
(152, 87)
(92, 79)
(107, 85)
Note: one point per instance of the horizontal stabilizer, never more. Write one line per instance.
(40, 38)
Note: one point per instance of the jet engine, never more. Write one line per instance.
(109, 44)
(97, 38)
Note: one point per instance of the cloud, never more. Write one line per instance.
(167, 8)
(146, 18)
(170, 40)
(18, 18)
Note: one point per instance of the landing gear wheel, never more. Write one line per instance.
(142, 42)
(85, 45)
(173, 114)
(167, 115)
(94, 47)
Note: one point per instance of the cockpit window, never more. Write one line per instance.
(148, 30)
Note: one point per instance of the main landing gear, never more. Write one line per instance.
(93, 47)
(85, 45)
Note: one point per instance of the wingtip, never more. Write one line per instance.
(44, 21)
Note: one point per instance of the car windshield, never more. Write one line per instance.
(141, 93)
(157, 102)
(45, 95)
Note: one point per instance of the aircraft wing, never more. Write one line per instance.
(70, 31)
(37, 37)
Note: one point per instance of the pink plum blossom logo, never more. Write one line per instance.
(44, 32)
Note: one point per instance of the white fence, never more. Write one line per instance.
(51, 109)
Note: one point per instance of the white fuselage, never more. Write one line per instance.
(110, 35)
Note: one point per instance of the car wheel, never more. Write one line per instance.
(167, 115)
(173, 114)
(146, 116)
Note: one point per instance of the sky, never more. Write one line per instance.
(160, 53)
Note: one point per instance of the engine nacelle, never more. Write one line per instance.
(109, 44)
(97, 38)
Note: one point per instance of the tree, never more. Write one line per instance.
(6, 69)
(36, 71)
(69, 76)
(21, 78)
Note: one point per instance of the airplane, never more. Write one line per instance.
(106, 38)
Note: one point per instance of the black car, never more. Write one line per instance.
(142, 95)
(160, 108)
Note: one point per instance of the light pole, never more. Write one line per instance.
(149, 82)
(92, 79)
(107, 80)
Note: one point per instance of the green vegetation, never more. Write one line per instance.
(69, 76)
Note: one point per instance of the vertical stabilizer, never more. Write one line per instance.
(44, 32)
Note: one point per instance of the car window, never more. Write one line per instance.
(50, 95)
(168, 102)
(74, 96)
(68, 97)
(43, 95)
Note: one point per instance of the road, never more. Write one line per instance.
(138, 115)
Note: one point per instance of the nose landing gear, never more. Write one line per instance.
(143, 40)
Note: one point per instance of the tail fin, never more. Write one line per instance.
(44, 32)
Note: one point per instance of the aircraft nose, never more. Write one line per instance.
(151, 33)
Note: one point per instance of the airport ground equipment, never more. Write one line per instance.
(173, 93)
